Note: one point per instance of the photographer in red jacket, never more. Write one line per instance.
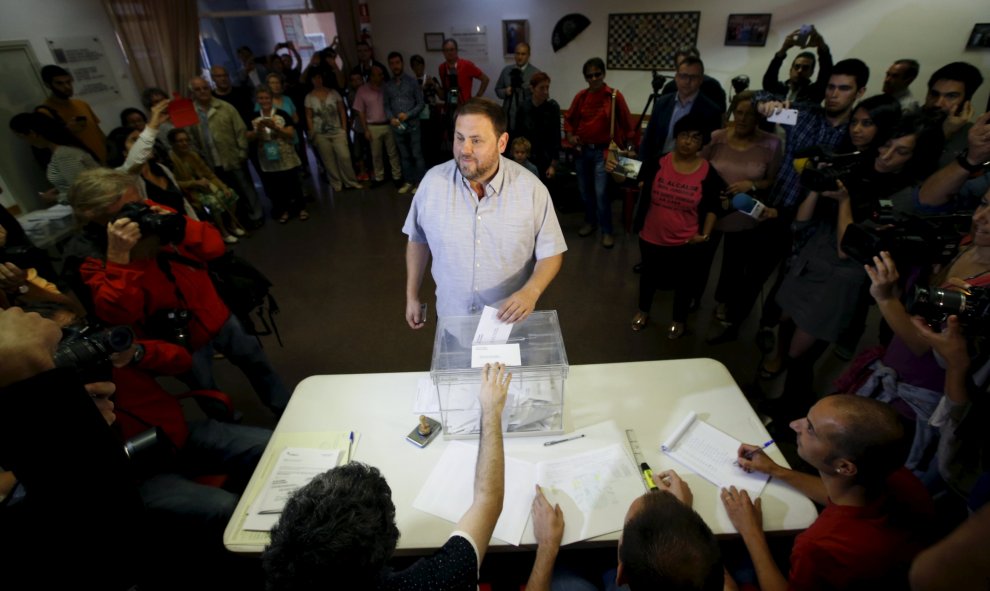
(145, 266)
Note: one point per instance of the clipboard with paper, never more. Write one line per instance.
(711, 454)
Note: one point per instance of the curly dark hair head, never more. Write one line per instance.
(338, 530)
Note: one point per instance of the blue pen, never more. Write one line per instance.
(350, 446)
(749, 456)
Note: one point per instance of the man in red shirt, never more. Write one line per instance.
(456, 79)
(588, 126)
(877, 514)
(457, 74)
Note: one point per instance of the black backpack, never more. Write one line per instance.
(241, 286)
(247, 292)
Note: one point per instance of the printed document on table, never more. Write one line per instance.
(712, 454)
(449, 490)
(594, 489)
(490, 329)
(240, 533)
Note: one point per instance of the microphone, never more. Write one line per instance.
(744, 203)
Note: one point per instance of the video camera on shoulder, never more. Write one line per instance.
(87, 350)
(170, 228)
(824, 167)
(910, 239)
(935, 305)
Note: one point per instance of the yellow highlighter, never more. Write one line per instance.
(648, 476)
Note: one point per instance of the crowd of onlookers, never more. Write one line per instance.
(851, 201)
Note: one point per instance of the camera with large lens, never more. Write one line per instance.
(170, 228)
(515, 78)
(23, 257)
(910, 239)
(87, 350)
(935, 304)
(170, 324)
(824, 167)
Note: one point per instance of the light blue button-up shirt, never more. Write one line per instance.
(484, 250)
(680, 110)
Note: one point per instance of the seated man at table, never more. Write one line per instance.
(339, 530)
(664, 544)
(877, 514)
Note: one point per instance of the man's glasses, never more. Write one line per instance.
(593, 75)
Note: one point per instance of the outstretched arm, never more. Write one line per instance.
(489, 473)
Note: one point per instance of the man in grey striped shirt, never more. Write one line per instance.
(488, 223)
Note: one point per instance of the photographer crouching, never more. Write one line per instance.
(145, 266)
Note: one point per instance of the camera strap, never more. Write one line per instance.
(165, 264)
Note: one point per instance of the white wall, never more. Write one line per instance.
(35, 21)
(877, 31)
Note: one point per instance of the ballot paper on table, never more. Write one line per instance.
(712, 455)
(594, 489)
(295, 467)
(594, 486)
(449, 490)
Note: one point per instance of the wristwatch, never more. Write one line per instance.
(963, 160)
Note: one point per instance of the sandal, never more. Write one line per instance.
(303, 216)
(284, 218)
(675, 331)
(639, 321)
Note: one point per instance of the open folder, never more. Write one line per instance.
(711, 454)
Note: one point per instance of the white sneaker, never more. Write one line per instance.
(405, 188)
(230, 239)
(239, 232)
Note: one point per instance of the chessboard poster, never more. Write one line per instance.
(648, 40)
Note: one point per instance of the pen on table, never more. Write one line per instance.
(648, 476)
(350, 446)
(549, 443)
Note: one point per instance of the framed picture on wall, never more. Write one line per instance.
(433, 41)
(747, 30)
(514, 32)
(980, 37)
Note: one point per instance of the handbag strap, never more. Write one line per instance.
(611, 125)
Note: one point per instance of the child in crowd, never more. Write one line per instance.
(521, 149)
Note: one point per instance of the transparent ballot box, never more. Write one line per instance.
(535, 404)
